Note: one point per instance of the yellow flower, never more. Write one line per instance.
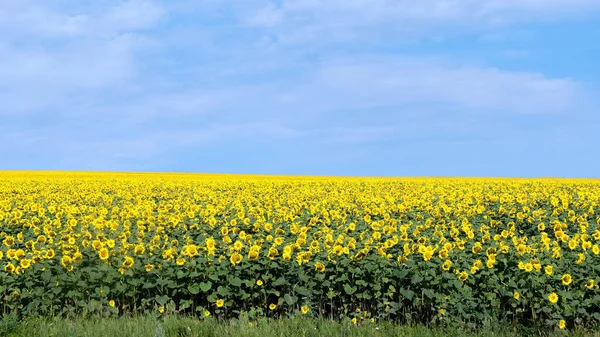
(9, 268)
(206, 313)
(128, 262)
(273, 252)
(220, 303)
(161, 309)
(192, 250)
(180, 261)
(590, 284)
(111, 303)
(149, 267)
(319, 267)
(548, 270)
(103, 254)
(97, 244)
(272, 306)
(139, 249)
(25, 263)
(566, 279)
(463, 276)
(235, 258)
(305, 309)
(238, 245)
(516, 295)
(259, 282)
(562, 324)
(553, 298)
(252, 255)
(8, 241)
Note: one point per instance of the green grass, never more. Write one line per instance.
(177, 326)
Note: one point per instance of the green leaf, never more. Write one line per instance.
(303, 291)
(280, 281)
(349, 289)
(236, 281)
(120, 287)
(185, 304)
(194, 289)
(290, 300)
(161, 300)
(205, 286)
(407, 293)
(416, 279)
(223, 291)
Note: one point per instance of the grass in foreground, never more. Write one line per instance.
(174, 326)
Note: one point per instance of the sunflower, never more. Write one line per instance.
(235, 258)
(590, 284)
(238, 245)
(103, 254)
(553, 298)
(128, 262)
(192, 250)
(139, 249)
(25, 263)
(9, 268)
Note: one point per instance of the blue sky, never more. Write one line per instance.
(316, 87)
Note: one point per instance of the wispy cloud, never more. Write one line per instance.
(59, 55)
(125, 84)
(317, 21)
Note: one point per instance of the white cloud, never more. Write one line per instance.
(325, 21)
(363, 12)
(54, 55)
(398, 82)
(267, 16)
(83, 64)
(56, 19)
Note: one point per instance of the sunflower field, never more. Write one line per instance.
(363, 249)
